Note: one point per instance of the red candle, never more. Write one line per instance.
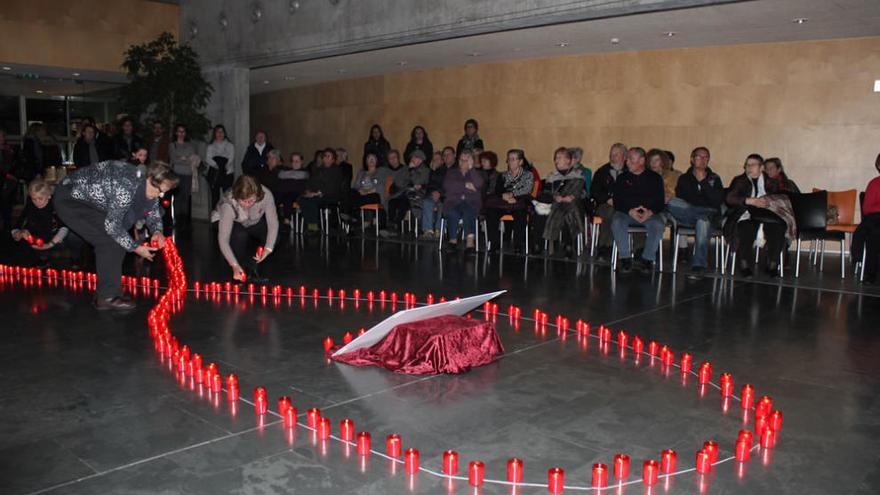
(668, 460)
(259, 392)
(313, 417)
(330, 294)
(650, 472)
(742, 451)
(745, 436)
(765, 404)
(346, 429)
(711, 448)
(394, 298)
(621, 338)
(768, 438)
(515, 470)
(363, 443)
(556, 480)
(259, 251)
(476, 473)
(776, 420)
(260, 405)
(726, 384)
(328, 344)
(362, 331)
(290, 417)
(653, 348)
(283, 404)
(621, 467)
(216, 383)
(411, 461)
(232, 386)
(606, 335)
(638, 345)
(450, 463)
(347, 338)
(323, 427)
(705, 373)
(704, 463)
(747, 396)
(392, 445)
(341, 293)
(761, 424)
(668, 357)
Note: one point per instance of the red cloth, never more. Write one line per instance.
(445, 344)
(872, 197)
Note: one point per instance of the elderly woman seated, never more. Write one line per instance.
(512, 196)
(559, 207)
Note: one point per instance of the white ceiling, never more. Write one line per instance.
(758, 21)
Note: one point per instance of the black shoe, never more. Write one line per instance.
(644, 265)
(451, 247)
(625, 265)
(113, 304)
(696, 273)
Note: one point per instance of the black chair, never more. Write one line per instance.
(810, 214)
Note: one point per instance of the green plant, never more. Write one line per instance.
(166, 82)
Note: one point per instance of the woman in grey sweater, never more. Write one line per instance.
(184, 161)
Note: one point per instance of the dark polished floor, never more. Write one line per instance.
(87, 407)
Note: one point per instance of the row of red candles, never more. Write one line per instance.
(768, 421)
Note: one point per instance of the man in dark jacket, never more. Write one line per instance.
(324, 189)
(638, 200)
(697, 204)
(126, 142)
(101, 203)
(602, 192)
(88, 149)
(255, 157)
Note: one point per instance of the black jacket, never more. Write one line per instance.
(426, 147)
(379, 148)
(435, 179)
(328, 180)
(707, 193)
(82, 157)
(645, 189)
(602, 186)
(122, 150)
(253, 160)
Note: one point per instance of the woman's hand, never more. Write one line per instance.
(470, 186)
(21, 234)
(761, 202)
(262, 254)
(145, 251)
(238, 273)
(158, 240)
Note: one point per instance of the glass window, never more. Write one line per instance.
(9, 115)
(50, 113)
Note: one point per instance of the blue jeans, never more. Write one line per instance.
(654, 225)
(464, 212)
(698, 217)
(431, 212)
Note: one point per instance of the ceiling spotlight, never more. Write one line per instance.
(265, 81)
(224, 22)
(562, 44)
(402, 63)
(294, 6)
(340, 71)
(615, 41)
(799, 20)
(289, 78)
(39, 91)
(193, 29)
(475, 54)
(7, 68)
(75, 74)
(670, 34)
(256, 13)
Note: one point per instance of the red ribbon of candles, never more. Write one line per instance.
(650, 472)
(392, 445)
(761, 424)
(668, 460)
(450, 462)
(747, 396)
(260, 405)
(726, 384)
(411, 460)
(313, 417)
(745, 436)
(742, 451)
(347, 338)
(346, 429)
(705, 373)
(232, 387)
(711, 448)
(515, 470)
(363, 443)
(556, 480)
(621, 466)
(704, 463)
(476, 473)
(216, 383)
(290, 417)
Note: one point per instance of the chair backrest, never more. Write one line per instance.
(810, 210)
(862, 202)
(845, 201)
(536, 188)
(388, 181)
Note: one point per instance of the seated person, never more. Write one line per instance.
(419, 175)
(638, 200)
(369, 186)
(602, 191)
(433, 202)
(697, 203)
(867, 235)
(38, 232)
(577, 154)
(295, 178)
(397, 202)
(489, 169)
(512, 196)
(248, 221)
(463, 187)
(749, 213)
(777, 181)
(562, 191)
(324, 189)
(659, 163)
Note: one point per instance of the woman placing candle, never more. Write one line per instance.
(247, 216)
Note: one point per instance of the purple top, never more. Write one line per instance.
(456, 192)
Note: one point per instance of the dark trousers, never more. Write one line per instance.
(88, 222)
(747, 230)
(493, 219)
(245, 240)
(285, 200)
(311, 207)
(397, 208)
(867, 236)
(218, 186)
(182, 197)
(606, 213)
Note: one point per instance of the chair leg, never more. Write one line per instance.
(675, 252)
(781, 263)
(593, 240)
(442, 233)
(580, 245)
(477, 235)
(822, 256)
(733, 265)
(864, 259)
(797, 263)
(614, 256)
(363, 229)
(843, 258)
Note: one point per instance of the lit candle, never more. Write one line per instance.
(668, 460)
(323, 427)
(711, 448)
(347, 338)
(761, 423)
(650, 472)
(328, 344)
(705, 373)
(313, 416)
(556, 480)
(667, 357)
(232, 387)
(260, 405)
(653, 348)
(411, 460)
(283, 404)
(450, 463)
(742, 451)
(704, 463)
(622, 337)
(747, 396)
(745, 436)
(392, 445)
(346, 429)
(776, 420)
(290, 417)
(768, 438)
(686, 361)
(362, 331)
(638, 345)
(515, 470)
(765, 404)
(341, 293)
(363, 443)
(726, 384)
(621, 466)
(216, 383)
(476, 473)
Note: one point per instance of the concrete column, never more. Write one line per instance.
(230, 106)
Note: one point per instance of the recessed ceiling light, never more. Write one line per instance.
(402, 63)
(670, 34)
(289, 78)
(39, 91)
(340, 71)
(475, 54)
(615, 41)
(75, 74)
(265, 81)
(800, 20)
(562, 44)
(7, 68)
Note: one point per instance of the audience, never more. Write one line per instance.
(638, 201)
(185, 162)
(160, 143)
(126, 142)
(87, 150)
(377, 145)
(463, 188)
(777, 181)
(750, 214)
(563, 189)
(418, 140)
(255, 155)
(697, 204)
(248, 227)
(512, 196)
(471, 140)
(38, 232)
(867, 235)
(324, 190)
(432, 205)
(602, 191)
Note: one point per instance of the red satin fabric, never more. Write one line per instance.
(445, 344)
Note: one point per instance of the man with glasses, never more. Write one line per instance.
(101, 203)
